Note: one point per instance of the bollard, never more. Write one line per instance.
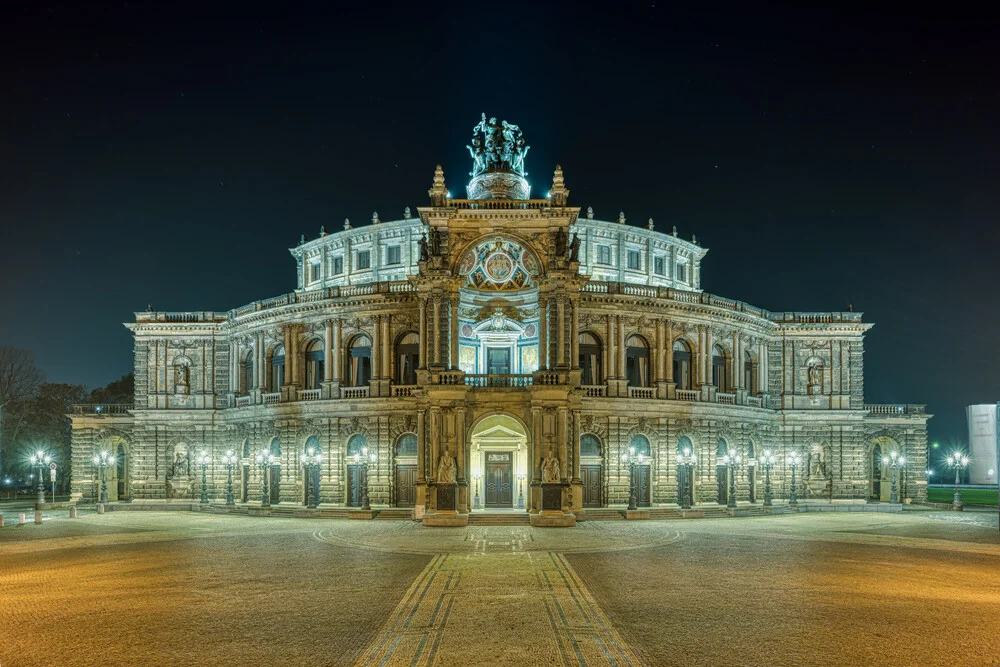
(38, 516)
(20, 519)
(100, 508)
(72, 512)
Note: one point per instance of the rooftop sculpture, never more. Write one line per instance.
(501, 148)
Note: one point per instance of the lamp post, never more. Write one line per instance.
(41, 459)
(732, 462)
(475, 500)
(363, 459)
(520, 490)
(895, 461)
(6, 482)
(685, 462)
(312, 459)
(793, 461)
(203, 459)
(229, 459)
(265, 459)
(102, 460)
(633, 460)
(957, 461)
(767, 461)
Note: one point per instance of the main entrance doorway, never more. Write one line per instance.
(499, 479)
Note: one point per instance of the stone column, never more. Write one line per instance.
(422, 320)
(386, 348)
(460, 458)
(537, 445)
(293, 363)
(437, 330)
(421, 451)
(543, 330)
(576, 447)
(574, 361)
(564, 445)
(376, 348)
(607, 362)
(561, 334)
(328, 352)
(286, 342)
(338, 350)
(669, 362)
(621, 348)
(435, 442)
(454, 332)
(261, 359)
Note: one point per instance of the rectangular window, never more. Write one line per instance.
(364, 260)
(603, 254)
(682, 272)
(338, 265)
(314, 272)
(392, 255)
(633, 260)
(658, 266)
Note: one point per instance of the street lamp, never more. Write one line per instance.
(793, 461)
(41, 459)
(203, 459)
(6, 482)
(895, 461)
(767, 461)
(265, 459)
(230, 460)
(958, 461)
(732, 462)
(633, 460)
(312, 459)
(363, 459)
(475, 501)
(102, 460)
(685, 462)
(520, 490)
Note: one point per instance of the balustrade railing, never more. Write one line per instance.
(687, 394)
(895, 409)
(270, 399)
(102, 408)
(480, 380)
(309, 394)
(755, 401)
(594, 390)
(641, 392)
(725, 399)
(547, 377)
(450, 377)
(355, 392)
(243, 401)
(400, 390)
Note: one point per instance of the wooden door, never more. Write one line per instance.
(406, 478)
(355, 477)
(274, 485)
(499, 479)
(592, 484)
(246, 484)
(752, 482)
(642, 488)
(722, 483)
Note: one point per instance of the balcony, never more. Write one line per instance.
(354, 392)
(403, 390)
(102, 409)
(641, 392)
(594, 390)
(498, 381)
(688, 395)
(895, 409)
(271, 399)
(725, 399)
(309, 394)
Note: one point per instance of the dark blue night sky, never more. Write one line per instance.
(169, 153)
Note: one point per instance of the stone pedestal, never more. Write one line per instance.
(361, 514)
(444, 510)
(446, 498)
(180, 487)
(553, 515)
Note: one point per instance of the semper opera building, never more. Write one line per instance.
(498, 351)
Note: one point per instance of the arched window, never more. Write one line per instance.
(356, 443)
(406, 445)
(589, 445)
(722, 448)
(407, 358)
(246, 448)
(637, 361)
(277, 368)
(751, 450)
(359, 361)
(312, 443)
(591, 359)
(748, 373)
(315, 365)
(684, 443)
(682, 365)
(641, 444)
(248, 378)
(275, 446)
(719, 378)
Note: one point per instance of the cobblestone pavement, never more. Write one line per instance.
(190, 589)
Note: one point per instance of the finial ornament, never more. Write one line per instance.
(621, 217)
(347, 223)
(302, 239)
(406, 213)
(694, 239)
(322, 230)
(590, 212)
(558, 194)
(438, 192)
(675, 230)
(650, 223)
(375, 219)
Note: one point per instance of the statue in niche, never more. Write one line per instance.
(817, 464)
(435, 242)
(815, 375)
(180, 466)
(561, 243)
(182, 379)
(424, 252)
(550, 469)
(447, 469)
(574, 249)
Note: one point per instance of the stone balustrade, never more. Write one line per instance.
(403, 390)
(243, 401)
(594, 390)
(725, 399)
(688, 395)
(271, 399)
(355, 392)
(895, 409)
(496, 380)
(641, 392)
(309, 394)
(100, 409)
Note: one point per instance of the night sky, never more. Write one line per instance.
(169, 154)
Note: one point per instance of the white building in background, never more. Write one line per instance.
(982, 443)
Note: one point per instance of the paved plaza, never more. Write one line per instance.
(180, 588)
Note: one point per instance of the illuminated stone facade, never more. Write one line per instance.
(499, 332)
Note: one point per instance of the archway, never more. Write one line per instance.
(499, 462)
(880, 475)
(721, 472)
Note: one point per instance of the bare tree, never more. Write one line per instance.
(19, 380)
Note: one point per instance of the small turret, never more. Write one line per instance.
(375, 219)
(558, 194)
(650, 224)
(438, 192)
(621, 217)
(406, 213)
(347, 223)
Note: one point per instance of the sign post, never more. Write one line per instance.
(52, 478)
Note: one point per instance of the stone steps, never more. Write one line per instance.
(395, 513)
(478, 519)
(603, 514)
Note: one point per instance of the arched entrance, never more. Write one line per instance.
(117, 474)
(879, 474)
(721, 473)
(499, 463)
